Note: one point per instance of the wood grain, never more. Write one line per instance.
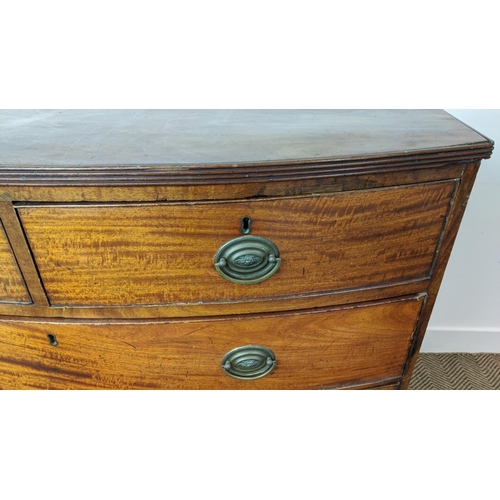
(23, 255)
(59, 189)
(12, 287)
(390, 383)
(385, 387)
(116, 255)
(448, 239)
(244, 306)
(314, 349)
(85, 138)
(124, 211)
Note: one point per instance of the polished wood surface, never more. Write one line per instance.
(81, 138)
(12, 288)
(110, 221)
(244, 306)
(129, 255)
(449, 235)
(24, 258)
(314, 348)
(333, 181)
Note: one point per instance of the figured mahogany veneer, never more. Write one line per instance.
(314, 349)
(12, 288)
(110, 222)
(153, 254)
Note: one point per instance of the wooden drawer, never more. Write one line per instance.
(145, 254)
(313, 348)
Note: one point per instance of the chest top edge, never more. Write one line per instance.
(181, 140)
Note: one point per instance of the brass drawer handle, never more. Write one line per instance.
(249, 362)
(247, 260)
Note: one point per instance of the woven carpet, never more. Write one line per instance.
(456, 371)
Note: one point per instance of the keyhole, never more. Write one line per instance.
(246, 225)
(52, 339)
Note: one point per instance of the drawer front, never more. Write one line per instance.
(12, 287)
(159, 254)
(317, 348)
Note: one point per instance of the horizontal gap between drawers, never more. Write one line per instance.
(197, 319)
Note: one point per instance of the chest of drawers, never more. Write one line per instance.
(225, 249)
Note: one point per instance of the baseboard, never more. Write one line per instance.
(461, 340)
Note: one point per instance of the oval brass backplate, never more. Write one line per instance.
(247, 260)
(249, 362)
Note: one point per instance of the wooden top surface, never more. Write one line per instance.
(86, 138)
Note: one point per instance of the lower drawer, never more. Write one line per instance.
(332, 347)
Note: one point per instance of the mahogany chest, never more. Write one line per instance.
(225, 249)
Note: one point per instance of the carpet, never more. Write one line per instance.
(456, 371)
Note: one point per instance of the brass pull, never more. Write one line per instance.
(249, 362)
(247, 260)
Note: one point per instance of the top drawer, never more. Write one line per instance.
(140, 254)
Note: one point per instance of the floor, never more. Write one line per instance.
(456, 371)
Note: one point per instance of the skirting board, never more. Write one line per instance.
(461, 340)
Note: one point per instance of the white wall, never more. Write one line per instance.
(466, 317)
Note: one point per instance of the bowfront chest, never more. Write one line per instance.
(225, 249)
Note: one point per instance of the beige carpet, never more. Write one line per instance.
(456, 371)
